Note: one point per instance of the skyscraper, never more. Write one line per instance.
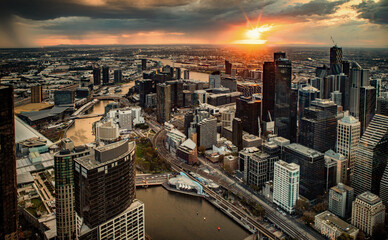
(8, 188)
(237, 133)
(97, 76)
(371, 156)
(348, 136)
(107, 211)
(312, 168)
(105, 75)
(36, 94)
(163, 107)
(286, 185)
(186, 74)
(178, 73)
(215, 80)
(335, 60)
(367, 106)
(144, 64)
(382, 106)
(340, 200)
(145, 87)
(64, 188)
(318, 127)
(367, 211)
(306, 95)
(249, 111)
(228, 67)
(176, 93)
(118, 76)
(207, 133)
(358, 78)
(277, 94)
(258, 167)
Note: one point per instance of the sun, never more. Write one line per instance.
(254, 35)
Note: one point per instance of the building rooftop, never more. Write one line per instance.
(369, 198)
(336, 222)
(349, 120)
(340, 188)
(289, 166)
(338, 156)
(23, 132)
(188, 144)
(304, 150)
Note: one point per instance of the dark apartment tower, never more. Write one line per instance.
(178, 73)
(105, 186)
(249, 111)
(176, 93)
(367, 106)
(146, 86)
(371, 157)
(97, 76)
(294, 114)
(64, 188)
(335, 60)
(312, 169)
(105, 75)
(144, 64)
(318, 127)
(382, 106)
(322, 72)
(8, 189)
(186, 74)
(163, 104)
(346, 67)
(278, 55)
(228, 67)
(307, 94)
(277, 94)
(189, 117)
(118, 76)
(237, 133)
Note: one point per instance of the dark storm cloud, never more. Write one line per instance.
(316, 7)
(374, 12)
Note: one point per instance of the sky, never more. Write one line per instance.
(39, 23)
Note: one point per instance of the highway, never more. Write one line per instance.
(287, 224)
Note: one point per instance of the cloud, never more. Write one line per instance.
(375, 12)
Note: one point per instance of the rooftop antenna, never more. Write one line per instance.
(335, 44)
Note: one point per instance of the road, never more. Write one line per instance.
(287, 224)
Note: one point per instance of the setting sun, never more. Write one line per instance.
(253, 35)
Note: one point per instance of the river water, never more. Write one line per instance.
(169, 215)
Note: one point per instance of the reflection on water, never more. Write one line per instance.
(174, 216)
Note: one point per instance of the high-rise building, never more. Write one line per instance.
(227, 117)
(178, 73)
(318, 127)
(286, 185)
(237, 133)
(371, 156)
(186, 74)
(382, 106)
(8, 188)
(258, 167)
(376, 83)
(104, 210)
(215, 80)
(384, 187)
(145, 87)
(312, 168)
(348, 136)
(335, 60)
(306, 95)
(163, 107)
(340, 200)
(118, 76)
(144, 64)
(105, 75)
(277, 94)
(278, 55)
(36, 94)
(176, 93)
(64, 97)
(207, 133)
(64, 188)
(367, 211)
(358, 78)
(341, 163)
(228, 67)
(97, 76)
(249, 110)
(336, 97)
(367, 106)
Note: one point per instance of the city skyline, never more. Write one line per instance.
(118, 22)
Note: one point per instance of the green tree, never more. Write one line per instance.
(301, 206)
(320, 207)
(202, 149)
(308, 217)
(259, 211)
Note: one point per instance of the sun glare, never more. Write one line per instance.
(254, 35)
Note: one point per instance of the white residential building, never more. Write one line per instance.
(107, 131)
(348, 136)
(286, 185)
(126, 118)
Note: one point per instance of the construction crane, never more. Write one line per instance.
(335, 44)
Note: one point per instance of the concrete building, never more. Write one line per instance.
(107, 131)
(126, 118)
(227, 117)
(244, 156)
(249, 110)
(215, 80)
(117, 76)
(332, 227)
(231, 162)
(64, 188)
(163, 106)
(105, 75)
(367, 211)
(341, 165)
(286, 185)
(371, 156)
(96, 76)
(340, 200)
(382, 105)
(64, 97)
(145, 87)
(8, 188)
(151, 100)
(367, 106)
(187, 152)
(306, 95)
(186, 74)
(105, 211)
(259, 168)
(174, 139)
(348, 136)
(312, 169)
(230, 83)
(207, 133)
(237, 133)
(36, 94)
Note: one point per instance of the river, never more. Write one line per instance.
(169, 215)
